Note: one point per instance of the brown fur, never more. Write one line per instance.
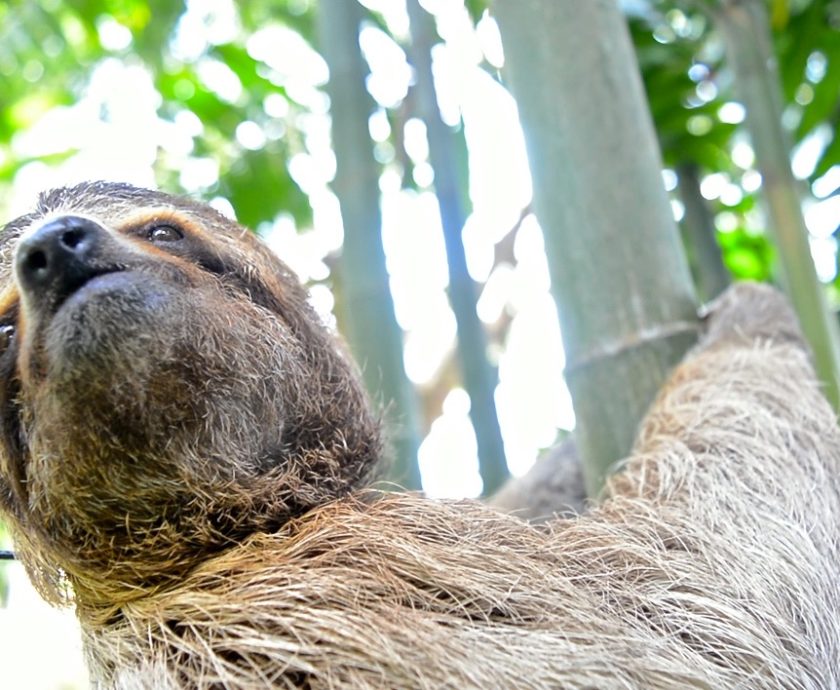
(185, 470)
(150, 425)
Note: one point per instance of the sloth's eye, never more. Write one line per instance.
(165, 233)
(7, 333)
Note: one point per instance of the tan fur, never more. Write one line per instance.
(712, 563)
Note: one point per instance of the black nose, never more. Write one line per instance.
(59, 257)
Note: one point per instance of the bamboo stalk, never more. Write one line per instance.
(699, 236)
(370, 322)
(480, 378)
(746, 31)
(624, 292)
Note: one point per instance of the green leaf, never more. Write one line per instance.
(259, 187)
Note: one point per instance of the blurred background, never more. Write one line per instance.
(376, 147)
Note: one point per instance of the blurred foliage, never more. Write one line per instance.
(747, 254)
(49, 49)
(688, 82)
(476, 8)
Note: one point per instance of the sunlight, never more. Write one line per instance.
(449, 454)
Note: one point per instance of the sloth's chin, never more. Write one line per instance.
(110, 312)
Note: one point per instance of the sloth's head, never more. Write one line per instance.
(165, 390)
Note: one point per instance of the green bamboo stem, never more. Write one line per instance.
(371, 326)
(700, 237)
(624, 292)
(746, 31)
(480, 378)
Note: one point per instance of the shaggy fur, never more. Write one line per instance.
(712, 563)
(182, 399)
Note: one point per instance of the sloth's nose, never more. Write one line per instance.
(59, 257)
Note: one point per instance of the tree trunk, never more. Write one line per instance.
(479, 377)
(372, 329)
(625, 296)
(746, 32)
(700, 236)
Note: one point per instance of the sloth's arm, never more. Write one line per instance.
(741, 425)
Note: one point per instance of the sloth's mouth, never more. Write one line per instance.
(103, 314)
(86, 285)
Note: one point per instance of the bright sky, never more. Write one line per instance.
(532, 399)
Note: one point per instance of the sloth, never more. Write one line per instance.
(186, 456)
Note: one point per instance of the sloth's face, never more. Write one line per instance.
(164, 387)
